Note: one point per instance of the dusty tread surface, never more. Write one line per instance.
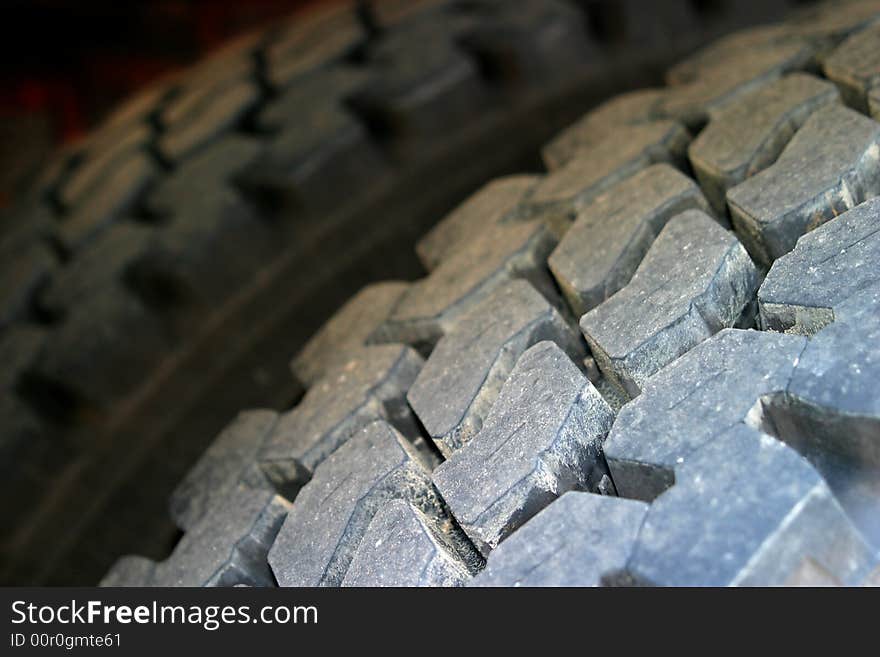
(855, 67)
(451, 396)
(731, 74)
(315, 548)
(430, 307)
(748, 135)
(632, 108)
(521, 459)
(223, 467)
(370, 386)
(603, 248)
(682, 407)
(826, 268)
(829, 409)
(226, 547)
(723, 411)
(347, 331)
(831, 165)
(491, 204)
(577, 177)
(755, 500)
(695, 280)
(403, 547)
(564, 546)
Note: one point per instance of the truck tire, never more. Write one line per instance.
(162, 273)
(654, 364)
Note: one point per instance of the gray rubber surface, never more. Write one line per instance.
(715, 421)
(187, 247)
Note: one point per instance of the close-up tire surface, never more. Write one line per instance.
(632, 346)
